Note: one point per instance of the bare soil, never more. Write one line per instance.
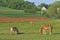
(11, 19)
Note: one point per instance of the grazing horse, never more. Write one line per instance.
(46, 27)
(14, 30)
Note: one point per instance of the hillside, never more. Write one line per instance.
(16, 13)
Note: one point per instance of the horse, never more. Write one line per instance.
(46, 27)
(14, 30)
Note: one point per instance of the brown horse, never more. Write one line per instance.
(14, 30)
(46, 27)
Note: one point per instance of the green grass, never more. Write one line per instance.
(16, 13)
(31, 31)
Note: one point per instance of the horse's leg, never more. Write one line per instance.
(11, 31)
(44, 31)
(15, 32)
(41, 30)
(50, 31)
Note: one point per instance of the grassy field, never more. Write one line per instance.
(16, 13)
(29, 31)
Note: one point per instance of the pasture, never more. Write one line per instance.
(29, 31)
(4, 11)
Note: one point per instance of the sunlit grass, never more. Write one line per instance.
(29, 31)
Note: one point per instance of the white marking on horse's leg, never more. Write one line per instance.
(44, 31)
(11, 30)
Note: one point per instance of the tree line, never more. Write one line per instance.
(21, 5)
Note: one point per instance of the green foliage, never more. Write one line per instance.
(18, 4)
(30, 11)
(54, 10)
(29, 7)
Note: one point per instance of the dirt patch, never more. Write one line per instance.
(9, 19)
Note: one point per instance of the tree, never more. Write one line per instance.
(29, 7)
(54, 10)
(19, 5)
(3, 3)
